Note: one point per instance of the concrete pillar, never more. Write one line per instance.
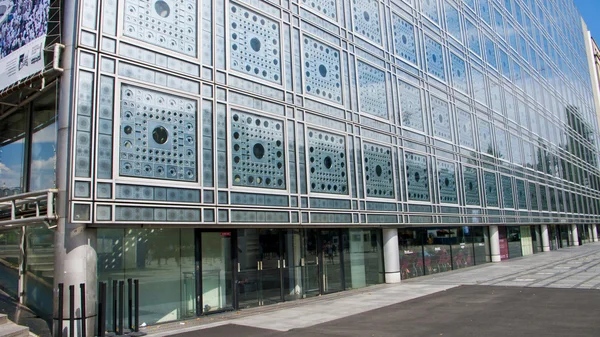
(545, 238)
(495, 243)
(74, 244)
(574, 235)
(594, 233)
(391, 255)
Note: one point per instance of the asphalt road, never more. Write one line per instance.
(470, 310)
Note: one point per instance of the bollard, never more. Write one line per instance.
(130, 303)
(60, 308)
(72, 311)
(83, 315)
(121, 306)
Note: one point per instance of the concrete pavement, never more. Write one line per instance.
(573, 268)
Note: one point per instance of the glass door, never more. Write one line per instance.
(260, 267)
(216, 271)
(332, 277)
(309, 263)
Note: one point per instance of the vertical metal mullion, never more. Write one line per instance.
(28, 144)
(198, 255)
(22, 286)
(234, 266)
(341, 248)
(281, 259)
(320, 261)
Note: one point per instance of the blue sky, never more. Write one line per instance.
(590, 9)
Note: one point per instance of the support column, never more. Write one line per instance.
(574, 235)
(74, 244)
(391, 255)
(545, 238)
(595, 233)
(495, 243)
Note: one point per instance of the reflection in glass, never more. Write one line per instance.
(513, 236)
(12, 153)
(363, 260)
(162, 259)
(43, 144)
(436, 251)
(10, 240)
(216, 275)
(411, 252)
(462, 248)
(39, 275)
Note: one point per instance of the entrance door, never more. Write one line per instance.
(332, 277)
(215, 272)
(267, 261)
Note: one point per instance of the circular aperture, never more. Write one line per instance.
(446, 182)
(417, 177)
(127, 129)
(162, 8)
(323, 70)
(255, 44)
(366, 16)
(160, 135)
(327, 162)
(378, 170)
(258, 150)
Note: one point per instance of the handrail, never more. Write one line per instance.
(12, 202)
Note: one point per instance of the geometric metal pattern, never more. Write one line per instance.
(484, 11)
(417, 176)
(366, 19)
(490, 52)
(430, 8)
(322, 70)
(378, 171)
(447, 182)
(137, 192)
(258, 151)
(157, 135)
(491, 189)
(521, 194)
(404, 39)
(440, 115)
(471, 186)
(453, 21)
(465, 128)
(435, 58)
(327, 8)
(411, 106)
(371, 85)
(170, 24)
(473, 37)
(327, 161)
(485, 137)
(459, 73)
(254, 44)
(126, 213)
(507, 192)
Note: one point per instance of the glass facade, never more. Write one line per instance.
(238, 153)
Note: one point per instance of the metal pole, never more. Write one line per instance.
(72, 310)
(60, 308)
(114, 300)
(83, 315)
(121, 306)
(137, 305)
(102, 310)
(130, 303)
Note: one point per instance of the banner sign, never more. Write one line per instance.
(23, 28)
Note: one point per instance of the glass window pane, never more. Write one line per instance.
(43, 143)
(12, 153)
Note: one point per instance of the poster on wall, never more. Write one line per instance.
(23, 28)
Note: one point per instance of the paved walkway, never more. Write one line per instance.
(575, 267)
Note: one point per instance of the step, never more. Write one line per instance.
(12, 330)
(3, 319)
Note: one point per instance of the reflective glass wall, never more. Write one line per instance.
(425, 251)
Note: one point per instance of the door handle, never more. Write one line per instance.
(239, 267)
(278, 264)
(317, 260)
(257, 265)
(283, 263)
(302, 262)
(261, 266)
